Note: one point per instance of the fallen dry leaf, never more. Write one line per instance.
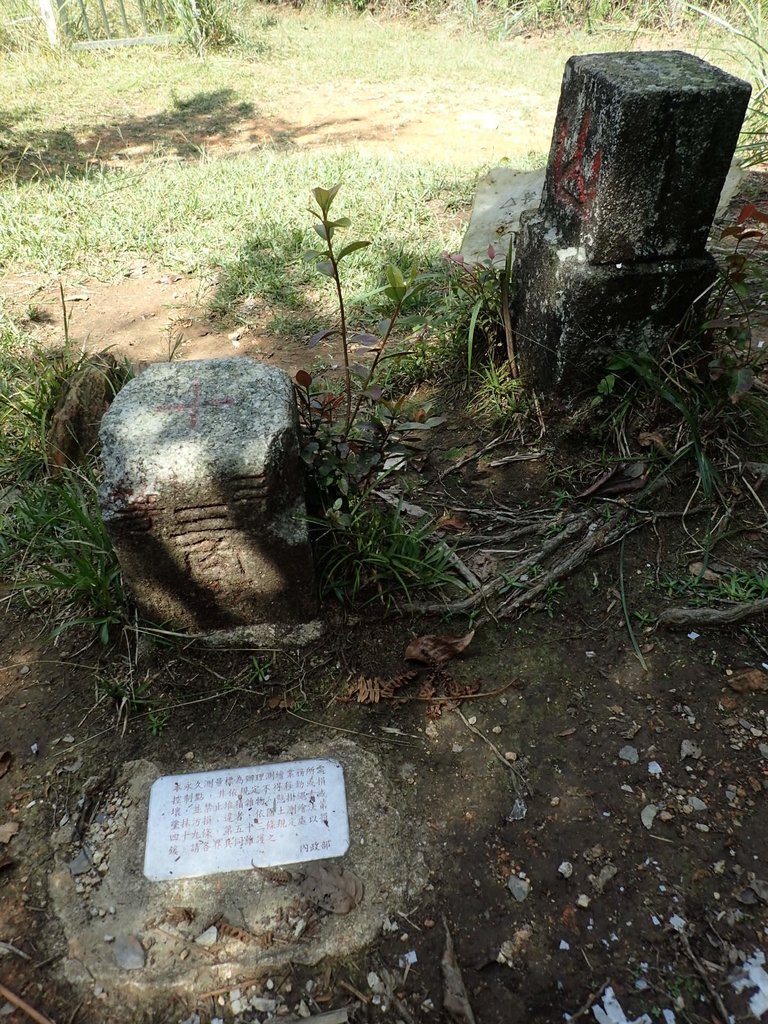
(567, 732)
(619, 480)
(8, 831)
(5, 762)
(454, 524)
(372, 689)
(749, 680)
(332, 888)
(455, 998)
(697, 570)
(437, 650)
(647, 438)
(568, 917)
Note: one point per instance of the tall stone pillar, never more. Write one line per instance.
(614, 258)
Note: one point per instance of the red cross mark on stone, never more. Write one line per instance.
(574, 186)
(194, 407)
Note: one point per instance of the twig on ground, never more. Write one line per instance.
(10, 948)
(23, 1005)
(475, 455)
(352, 732)
(713, 616)
(590, 1001)
(349, 987)
(340, 1016)
(518, 781)
(522, 457)
(702, 973)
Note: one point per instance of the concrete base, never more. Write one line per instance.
(569, 315)
(133, 936)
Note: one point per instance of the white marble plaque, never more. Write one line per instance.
(211, 822)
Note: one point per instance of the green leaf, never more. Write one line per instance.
(740, 383)
(395, 278)
(325, 233)
(342, 222)
(325, 267)
(352, 247)
(325, 196)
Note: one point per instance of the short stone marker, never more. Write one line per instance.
(270, 814)
(203, 495)
(615, 255)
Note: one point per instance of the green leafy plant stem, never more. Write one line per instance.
(625, 610)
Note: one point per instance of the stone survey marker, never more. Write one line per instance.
(210, 822)
(203, 495)
(615, 255)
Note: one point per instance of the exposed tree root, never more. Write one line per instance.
(683, 617)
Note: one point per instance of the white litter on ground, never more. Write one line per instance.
(611, 1012)
(752, 974)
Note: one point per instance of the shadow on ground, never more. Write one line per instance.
(187, 130)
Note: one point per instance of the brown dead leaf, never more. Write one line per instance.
(8, 831)
(5, 762)
(455, 998)
(437, 650)
(567, 732)
(749, 680)
(568, 917)
(697, 570)
(648, 438)
(372, 689)
(454, 524)
(620, 480)
(332, 888)
(457, 690)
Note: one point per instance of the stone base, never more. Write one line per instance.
(569, 316)
(136, 937)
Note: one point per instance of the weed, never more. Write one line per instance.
(369, 554)
(740, 586)
(704, 389)
(55, 548)
(353, 436)
(645, 619)
(474, 304)
(748, 28)
(497, 396)
(157, 721)
(260, 670)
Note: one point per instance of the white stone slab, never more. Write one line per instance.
(502, 195)
(210, 822)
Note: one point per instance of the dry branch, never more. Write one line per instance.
(24, 1006)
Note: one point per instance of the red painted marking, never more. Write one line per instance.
(572, 186)
(196, 404)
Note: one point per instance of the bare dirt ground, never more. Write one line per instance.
(663, 907)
